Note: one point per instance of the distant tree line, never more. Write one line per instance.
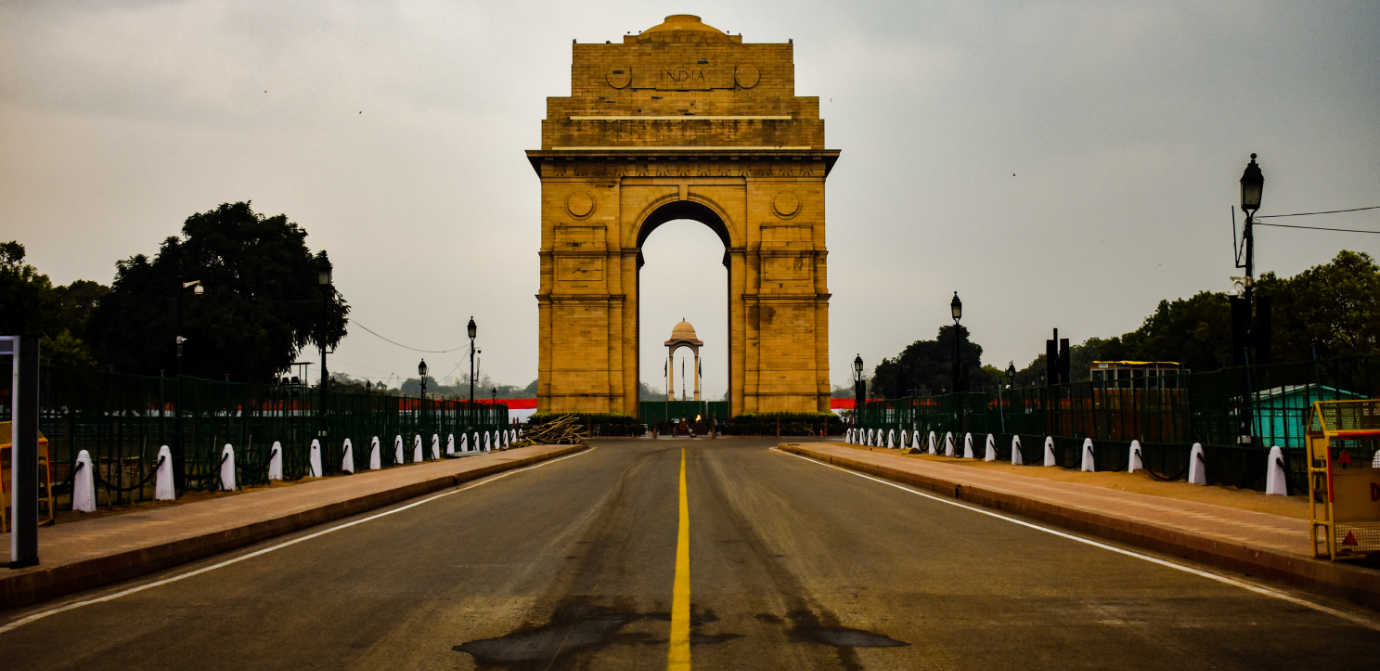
(1329, 310)
(261, 304)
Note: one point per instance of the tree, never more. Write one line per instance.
(262, 304)
(31, 305)
(927, 366)
(1334, 307)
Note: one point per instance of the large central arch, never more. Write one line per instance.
(683, 122)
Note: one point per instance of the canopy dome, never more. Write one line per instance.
(683, 333)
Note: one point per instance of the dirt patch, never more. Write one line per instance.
(1139, 483)
(65, 516)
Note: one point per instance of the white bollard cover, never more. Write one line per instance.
(375, 459)
(347, 462)
(163, 482)
(450, 444)
(275, 462)
(417, 448)
(315, 459)
(84, 485)
(948, 444)
(435, 446)
(891, 438)
(1133, 462)
(968, 446)
(1017, 459)
(1089, 465)
(398, 457)
(991, 451)
(1197, 470)
(933, 450)
(1049, 452)
(227, 468)
(1275, 482)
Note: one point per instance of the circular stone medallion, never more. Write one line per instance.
(579, 204)
(786, 204)
(746, 76)
(619, 76)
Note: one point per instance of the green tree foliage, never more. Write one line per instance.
(926, 366)
(262, 304)
(31, 305)
(1335, 306)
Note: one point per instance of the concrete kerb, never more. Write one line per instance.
(38, 586)
(1326, 578)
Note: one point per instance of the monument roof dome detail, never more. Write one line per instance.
(679, 28)
(683, 331)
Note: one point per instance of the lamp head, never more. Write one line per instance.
(472, 328)
(956, 307)
(421, 369)
(323, 270)
(1011, 369)
(1252, 183)
(198, 290)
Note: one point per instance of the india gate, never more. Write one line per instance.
(683, 121)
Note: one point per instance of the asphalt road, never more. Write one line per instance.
(793, 565)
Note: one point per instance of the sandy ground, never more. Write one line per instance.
(64, 516)
(1140, 483)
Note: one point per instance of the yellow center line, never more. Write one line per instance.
(678, 657)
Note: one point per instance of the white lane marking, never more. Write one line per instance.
(38, 616)
(1187, 569)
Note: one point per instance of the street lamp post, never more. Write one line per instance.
(473, 330)
(956, 309)
(421, 375)
(1252, 185)
(859, 388)
(178, 454)
(323, 279)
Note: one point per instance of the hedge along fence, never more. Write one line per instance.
(791, 423)
(123, 420)
(1167, 415)
(598, 423)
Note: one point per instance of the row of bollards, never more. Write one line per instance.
(84, 481)
(1275, 480)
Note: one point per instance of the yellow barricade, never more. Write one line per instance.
(1344, 477)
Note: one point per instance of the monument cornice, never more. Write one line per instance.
(695, 154)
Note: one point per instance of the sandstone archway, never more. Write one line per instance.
(683, 122)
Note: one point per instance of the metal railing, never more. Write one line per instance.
(122, 421)
(1237, 414)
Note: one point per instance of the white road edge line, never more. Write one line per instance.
(111, 597)
(1187, 569)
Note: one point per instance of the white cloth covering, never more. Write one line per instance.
(84, 485)
(275, 461)
(1275, 482)
(315, 458)
(1197, 470)
(227, 468)
(163, 482)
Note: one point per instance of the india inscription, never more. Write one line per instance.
(683, 122)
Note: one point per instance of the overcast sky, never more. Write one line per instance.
(1059, 164)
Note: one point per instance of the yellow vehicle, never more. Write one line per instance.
(1344, 477)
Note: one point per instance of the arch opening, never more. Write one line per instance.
(683, 282)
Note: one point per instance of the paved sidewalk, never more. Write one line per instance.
(91, 553)
(1265, 545)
